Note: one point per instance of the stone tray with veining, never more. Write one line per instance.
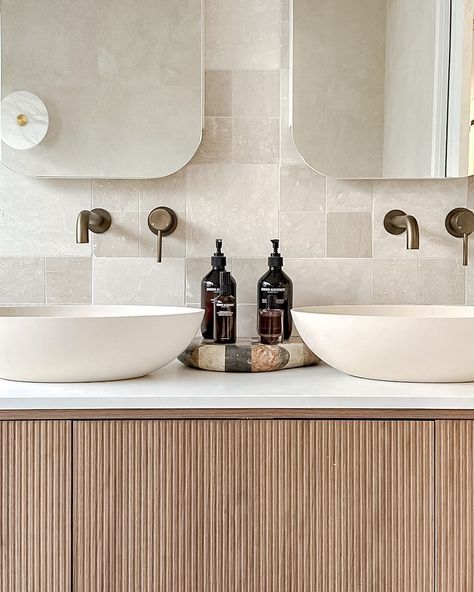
(247, 356)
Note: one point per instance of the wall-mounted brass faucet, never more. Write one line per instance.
(96, 220)
(162, 221)
(460, 223)
(397, 222)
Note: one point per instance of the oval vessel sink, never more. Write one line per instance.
(401, 343)
(91, 343)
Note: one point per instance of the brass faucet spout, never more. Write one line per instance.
(397, 222)
(96, 220)
(409, 224)
(82, 227)
(413, 233)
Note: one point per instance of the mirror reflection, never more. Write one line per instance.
(382, 88)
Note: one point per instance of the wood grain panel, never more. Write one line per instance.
(455, 505)
(35, 511)
(253, 506)
(94, 413)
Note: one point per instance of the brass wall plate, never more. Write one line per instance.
(449, 219)
(388, 224)
(162, 219)
(104, 224)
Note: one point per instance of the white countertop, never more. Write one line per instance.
(179, 387)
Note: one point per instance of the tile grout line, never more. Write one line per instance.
(44, 280)
(372, 213)
(91, 254)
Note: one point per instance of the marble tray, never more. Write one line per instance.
(247, 356)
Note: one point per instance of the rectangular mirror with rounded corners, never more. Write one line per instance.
(382, 88)
(100, 88)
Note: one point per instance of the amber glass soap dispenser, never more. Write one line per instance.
(210, 288)
(276, 282)
(225, 311)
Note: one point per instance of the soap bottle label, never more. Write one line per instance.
(280, 293)
(225, 309)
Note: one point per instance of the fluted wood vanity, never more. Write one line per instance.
(272, 499)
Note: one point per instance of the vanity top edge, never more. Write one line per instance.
(176, 390)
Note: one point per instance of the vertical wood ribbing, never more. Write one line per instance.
(455, 505)
(254, 506)
(35, 511)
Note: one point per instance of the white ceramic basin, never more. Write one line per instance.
(402, 343)
(91, 343)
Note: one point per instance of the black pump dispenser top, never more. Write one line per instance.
(275, 259)
(219, 260)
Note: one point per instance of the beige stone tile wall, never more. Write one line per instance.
(246, 184)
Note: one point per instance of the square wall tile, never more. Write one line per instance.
(68, 280)
(303, 234)
(247, 272)
(349, 234)
(441, 281)
(115, 195)
(255, 140)
(349, 196)
(429, 201)
(138, 281)
(329, 281)
(38, 216)
(242, 35)
(168, 191)
(394, 281)
(216, 144)
(121, 240)
(218, 94)
(238, 203)
(301, 189)
(21, 280)
(256, 93)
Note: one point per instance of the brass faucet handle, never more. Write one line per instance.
(460, 224)
(460, 221)
(162, 221)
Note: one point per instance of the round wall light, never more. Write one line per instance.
(24, 121)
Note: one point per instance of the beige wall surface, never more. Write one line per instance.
(122, 82)
(246, 184)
